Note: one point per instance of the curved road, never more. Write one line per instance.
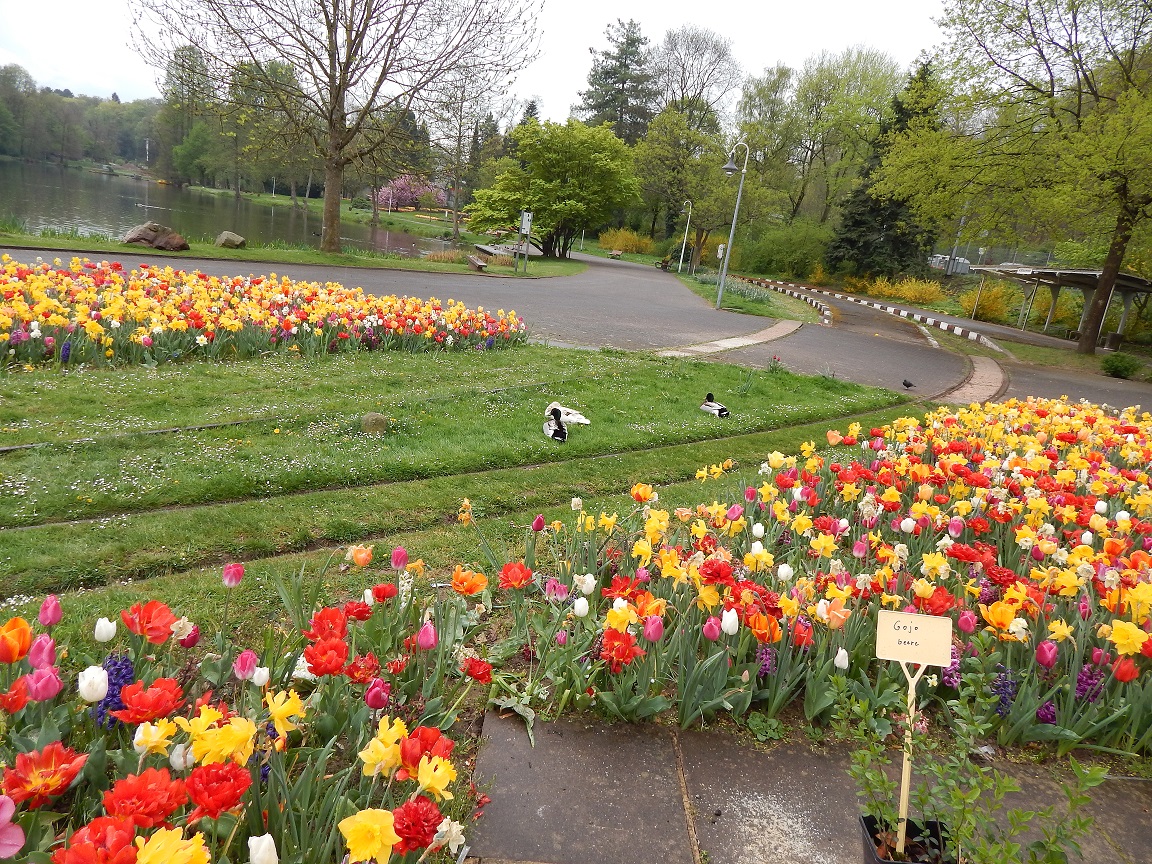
(634, 307)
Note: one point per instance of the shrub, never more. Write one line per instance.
(919, 291)
(818, 276)
(501, 260)
(448, 256)
(1120, 365)
(789, 250)
(626, 240)
(361, 204)
(997, 300)
(1068, 308)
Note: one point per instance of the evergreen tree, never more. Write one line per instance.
(621, 86)
(880, 235)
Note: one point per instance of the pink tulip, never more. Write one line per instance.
(146, 341)
(1085, 607)
(734, 512)
(11, 834)
(556, 590)
(955, 527)
(377, 694)
(749, 494)
(192, 639)
(859, 548)
(538, 523)
(42, 654)
(562, 638)
(50, 613)
(967, 621)
(1046, 653)
(44, 684)
(427, 639)
(712, 629)
(653, 628)
(642, 574)
(1037, 553)
(1101, 657)
(244, 667)
(399, 558)
(232, 575)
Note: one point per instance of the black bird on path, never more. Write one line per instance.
(908, 385)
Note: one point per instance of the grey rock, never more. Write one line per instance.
(230, 240)
(157, 236)
(373, 423)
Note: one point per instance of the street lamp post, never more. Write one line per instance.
(730, 169)
(684, 245)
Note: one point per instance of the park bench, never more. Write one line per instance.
(664, 264)
(477, 263)
(615, 253)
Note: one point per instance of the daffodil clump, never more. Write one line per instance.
(1029, 523)
(88, 312)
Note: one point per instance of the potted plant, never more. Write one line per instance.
(958, 814)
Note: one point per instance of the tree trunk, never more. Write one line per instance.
(698, 249)
(295, 203)
(333, 187)
(1095, 319)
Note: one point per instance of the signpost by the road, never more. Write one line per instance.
(522, 239)
(912, 639)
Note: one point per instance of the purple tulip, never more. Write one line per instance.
(42, 654)
(967, 621)
(50, 613)
(245, 665)
(399, 558)
(44, 684)
(1046, 653)
(712, 629)
(377, 694)
(232, 575)
(538, 523)
(653, 628)
(427, 639)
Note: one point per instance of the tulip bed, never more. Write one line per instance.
(97, 313)
(1028, 523)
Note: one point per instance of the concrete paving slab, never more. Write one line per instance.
(986, 383)
(787, 804)
(587, 792)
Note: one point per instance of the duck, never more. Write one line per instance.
(567, 415)
(555, 428)
(713, 407)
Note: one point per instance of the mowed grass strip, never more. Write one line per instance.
(421, 516)
(300, 423)
(67, 556)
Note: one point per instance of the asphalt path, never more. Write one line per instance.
(618, 304)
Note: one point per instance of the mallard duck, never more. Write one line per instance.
(567, 415)
(555, 428)
(713, 407)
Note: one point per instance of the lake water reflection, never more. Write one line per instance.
(87, 202)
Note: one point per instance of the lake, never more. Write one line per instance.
(87, 202)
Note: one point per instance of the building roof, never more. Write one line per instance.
(1065, 276)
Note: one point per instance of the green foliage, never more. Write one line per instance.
(570, 176)
(620, 89)
(1120, 365)
(792, 250)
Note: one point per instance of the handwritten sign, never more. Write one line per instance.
(913, 638)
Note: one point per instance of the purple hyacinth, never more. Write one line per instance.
(490, 341)
(951, 675)
(120, 675)
(990, 592)
(1046, 713)
(766, 657)
(1089, 683)
(65, 352)
(1005, 687)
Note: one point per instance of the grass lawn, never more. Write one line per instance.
(753, 300)
(1033, 355)
(97, 499)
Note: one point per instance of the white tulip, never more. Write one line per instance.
(577, 505)
(262, 850)
(757, 547)
(784, 571)
(1123, 516)
(105, 630)
(260, 676)
(181, 758)
(619, 603)
(93, 684)
(369, 599)
(841, 661)
(586, 583)
(907, 524)
(580, 607)
(1101, 507)
(758, 531)
(1086, 538)
(730, 621)
(302, 672)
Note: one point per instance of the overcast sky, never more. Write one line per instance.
(82, 45)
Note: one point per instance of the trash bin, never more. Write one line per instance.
(1112, 341)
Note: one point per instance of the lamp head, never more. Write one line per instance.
(731, 168)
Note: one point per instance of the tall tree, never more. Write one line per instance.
(621, 86)
(694, 72)
(571, 177)
(355, 60)
(877, 234)
(662, 159)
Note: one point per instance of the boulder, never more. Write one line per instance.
(373, 423)
(157, 236)
(230, 240)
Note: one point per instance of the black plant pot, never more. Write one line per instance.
(923, 844)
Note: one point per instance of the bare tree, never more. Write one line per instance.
(355, 60)
(695, 71)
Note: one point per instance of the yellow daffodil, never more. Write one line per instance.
(235, 740)
(435, 775)
(154, 738)
(619, 618)
(1127, 637)
(642, 550)
(369, 835)
(282, 707)
(1058, 630)
(168, 846)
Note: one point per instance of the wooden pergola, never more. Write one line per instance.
(1056, 279)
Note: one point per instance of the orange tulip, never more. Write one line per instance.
(837, 614)
(15, 640)
(468, 583)
(361, 556)
(834, 437)
(764, 627)
(642, 493)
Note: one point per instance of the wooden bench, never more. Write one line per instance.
(615, 253)
(477, 263)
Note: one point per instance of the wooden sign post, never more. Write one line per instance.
(910, 639)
